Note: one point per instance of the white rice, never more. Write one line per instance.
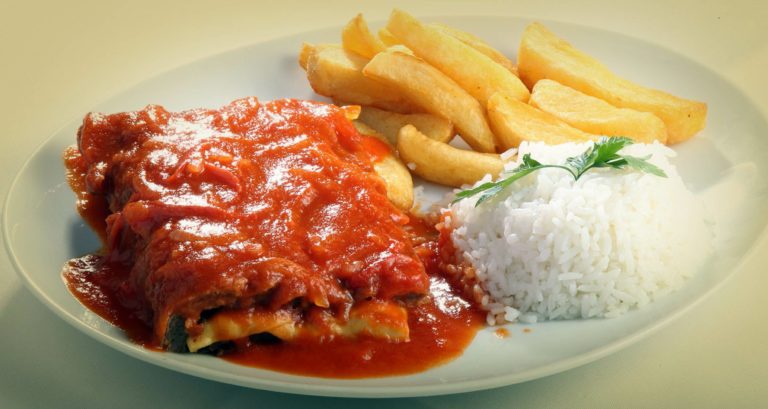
(551, 248)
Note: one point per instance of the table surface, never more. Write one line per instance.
(54, 69)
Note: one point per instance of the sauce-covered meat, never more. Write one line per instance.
(247, 210)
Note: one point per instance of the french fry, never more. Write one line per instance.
(472, 70)
(364, 129)
(595, 116)
(352, 112)
(309, 49)
(356, 37)
(544, 55)
(429, 88)
(388, 38)
(514, 122)
(395, 175)
(476, 43)
(442, 163)
(389, 123)
(337, 74)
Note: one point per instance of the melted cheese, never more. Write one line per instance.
(375, 319)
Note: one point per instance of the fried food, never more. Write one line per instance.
(337, 73)
(477, 43)
(544, 55)
(389, 124)
(429, 88)
(442, 163)
(474, 71)
(595, 116)
(514, 122)
(396, 176)
(357, 37)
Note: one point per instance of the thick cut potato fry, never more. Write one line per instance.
(476, 43)
(388, 38)
(514, 122)
(544, 55)
(389, 124)
(391, 170)
(337, 74)
(595, 116)
(309, 49)
(429, 88)
(472, 70)
(365, 129)
(356, 37)
(397, 179)
(442, 163)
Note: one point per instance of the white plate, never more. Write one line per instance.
(724, 165)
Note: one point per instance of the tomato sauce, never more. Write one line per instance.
(256, 205)
(441, 328)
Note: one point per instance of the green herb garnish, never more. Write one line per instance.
(603, 154)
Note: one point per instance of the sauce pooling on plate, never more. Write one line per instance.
(259, 232)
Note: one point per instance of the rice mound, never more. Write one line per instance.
(551, 248)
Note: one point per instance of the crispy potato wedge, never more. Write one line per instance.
(396, 176)
(337, 73)
(472, 70)
(544, 55)
(429, 88)
(389, 124)
(352, 112)
(442, 163)
(476, 43)
(514, 122)
(401, 49)
(364, 129)
(309, 49)
(595, 116)
(356, 37)
(388, 38)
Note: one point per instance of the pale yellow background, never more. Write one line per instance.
(53, 69)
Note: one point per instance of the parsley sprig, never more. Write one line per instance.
(602, 154)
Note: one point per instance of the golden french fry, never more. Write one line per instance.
(395, 175)
(595, 116)
(389, 124)
(401, 49)
(429, 88)
(308, 49)
(337, 74)
(476, 43)
(514, 122)
(388, 38)
(544, 55)
(442, 163)
(356, 37)
(352, 112)
(364, 129)
(472, 70)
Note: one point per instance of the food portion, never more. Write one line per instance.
(443, 163)
(281, 234)
(515, 122)
(616, 233)
(473, 70)
(338, 74)
(438, 94)
(595, 116)
(556, 93)
(257, 222)
(389, 124)
(544, 55)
